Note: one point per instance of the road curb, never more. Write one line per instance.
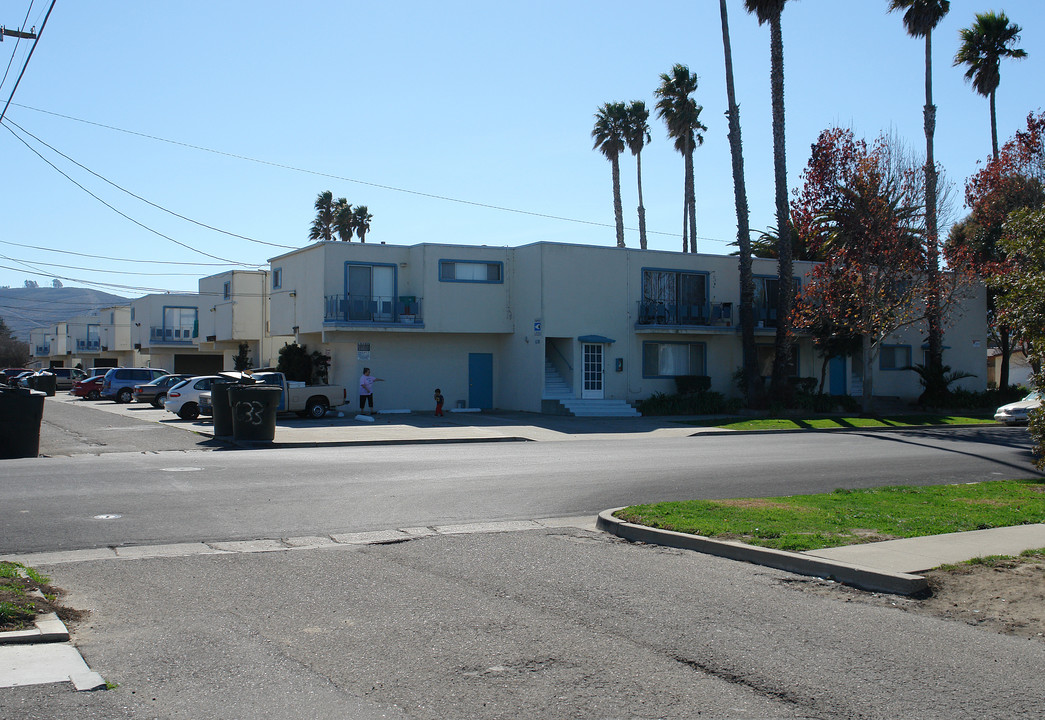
(857, 575)
(232, 444)
(878, 428)
(49, 629)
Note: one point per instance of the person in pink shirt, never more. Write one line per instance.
(366, 391)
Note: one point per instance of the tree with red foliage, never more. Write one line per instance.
(1014, 180)
(859, 211)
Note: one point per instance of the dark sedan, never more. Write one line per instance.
(156, 391)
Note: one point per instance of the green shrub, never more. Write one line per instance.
(698, 403)
(689, 384)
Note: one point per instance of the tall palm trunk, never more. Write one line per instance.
(994, 126)
(685, 219)
(618, 207)
(642, 210)
(785, 300)
(932, 240)
(691, 200)
(747, 281)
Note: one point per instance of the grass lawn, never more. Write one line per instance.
(848, 517)
(827, 423)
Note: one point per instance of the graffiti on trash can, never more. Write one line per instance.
(250, 411)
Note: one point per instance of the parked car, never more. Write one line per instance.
(64, 378)
(10, 374)
(89, 388)
(184, 398)
(155, 392)
(119, 382)
(1018, 411)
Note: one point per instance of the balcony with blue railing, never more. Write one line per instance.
(653, 314)
(173, 336)
(404, 311)
(42, 350)
(89, 345)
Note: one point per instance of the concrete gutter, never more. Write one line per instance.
(857, 575)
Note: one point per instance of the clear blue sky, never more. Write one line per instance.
(434, 115)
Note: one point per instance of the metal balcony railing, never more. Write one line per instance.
(652, 312)
(172, 336)
(373, 310)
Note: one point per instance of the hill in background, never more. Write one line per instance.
(25, 308)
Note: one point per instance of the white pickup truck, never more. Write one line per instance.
(306, 400)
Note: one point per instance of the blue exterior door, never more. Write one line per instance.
(838, 375)
(480, 380)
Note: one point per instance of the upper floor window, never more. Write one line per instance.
(277, 278)
(470, 271)
(181, 322)
(674, 297)
(227, 291)
(767, 298)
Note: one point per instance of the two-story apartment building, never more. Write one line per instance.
(234, 310)
(491, 326)
(165, 331)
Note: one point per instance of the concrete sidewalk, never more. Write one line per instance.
(490, 426)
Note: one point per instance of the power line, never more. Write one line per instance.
(111, 272)
(118, 212)
(115, 259)
(144, 200)
(347, 179)
(17, 41)
(27, 59)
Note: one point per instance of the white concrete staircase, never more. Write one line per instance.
(556, 389)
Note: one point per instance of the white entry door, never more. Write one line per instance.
(592, 372)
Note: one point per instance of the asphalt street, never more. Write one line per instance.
(195, 493)
(555, 622)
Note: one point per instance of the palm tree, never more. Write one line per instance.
(344, 220)
(681, 114)
(323, 226)
(769, 11)
(747, 281)
(610, 121)
(920, 18)
(362, 220)
(990, 38)
(637, 136)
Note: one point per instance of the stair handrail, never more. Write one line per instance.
(557, 350)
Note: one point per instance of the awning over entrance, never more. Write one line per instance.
(596, 339)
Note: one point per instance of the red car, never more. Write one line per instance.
(88, 389)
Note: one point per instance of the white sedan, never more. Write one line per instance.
(1017, 412)
(183, 399)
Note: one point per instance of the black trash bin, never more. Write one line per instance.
(254, 411)
(21, 410)
(220, 408)
(46, 383)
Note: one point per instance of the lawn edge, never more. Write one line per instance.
(859, 576)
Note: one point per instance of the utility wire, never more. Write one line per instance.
(27, 59)
(347, 179)
(111, 272)
(115, 259)
(17, 41)
(118, 212)
(147, 202)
